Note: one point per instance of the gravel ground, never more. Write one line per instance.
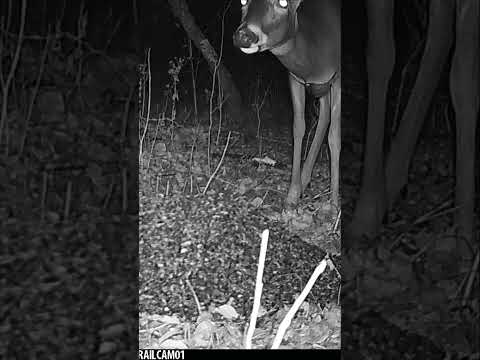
(212, 243)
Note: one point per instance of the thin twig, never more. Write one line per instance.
(220, 90)
(437, 211)
(170, 333)
(212, 93)
(126, 111)
(34, 95)
(258, 109)
(194, 80)
(60, 35)
(124, 191)
(43, 198)
(471, 278)
(68, 201)
(13, 68)
(402, 83)
(149, 80)
(109, 194)
(195, 297)
(154, 141)
(112, 34)
(219, 164)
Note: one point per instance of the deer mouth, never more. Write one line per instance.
(251, 50)
(257, 47)
(250, 39)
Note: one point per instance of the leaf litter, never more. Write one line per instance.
(199, 253)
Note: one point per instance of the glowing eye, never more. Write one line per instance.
(283, 3)
(243, 2)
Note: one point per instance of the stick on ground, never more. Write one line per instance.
(258, 290)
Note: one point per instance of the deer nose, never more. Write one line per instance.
(244, 37)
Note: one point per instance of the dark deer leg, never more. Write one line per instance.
(370, 207)
(330, 113)
(322, 125)
(298, 101)
(439, 40)
(464, 86)
(334, 140)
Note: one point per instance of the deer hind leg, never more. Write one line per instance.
(298, 100)
(370, 206)
(464, 87)
(437, 46)
(322, 124)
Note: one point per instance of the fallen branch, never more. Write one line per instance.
(296, 305)
(258, 290)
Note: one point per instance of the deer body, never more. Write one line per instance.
(305, 37)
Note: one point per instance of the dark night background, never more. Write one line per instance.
(159, 30)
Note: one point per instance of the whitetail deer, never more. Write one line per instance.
(305, 37)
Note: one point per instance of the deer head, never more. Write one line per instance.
(266, 24)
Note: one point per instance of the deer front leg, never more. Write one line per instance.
(298, 102)
(464, 87)
(370, 206)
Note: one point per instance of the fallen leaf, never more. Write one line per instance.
(165, 319)
(113, 330)
(173, 344)
(107, 347)
(203, 333)
(257, 202)
(227, 311)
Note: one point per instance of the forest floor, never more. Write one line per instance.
(199, 249)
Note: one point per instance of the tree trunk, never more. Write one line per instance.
(233, 103)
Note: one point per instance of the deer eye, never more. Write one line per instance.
(283, 3)
(243, 2)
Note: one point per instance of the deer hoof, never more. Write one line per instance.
(367, 218)
(293, 196)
